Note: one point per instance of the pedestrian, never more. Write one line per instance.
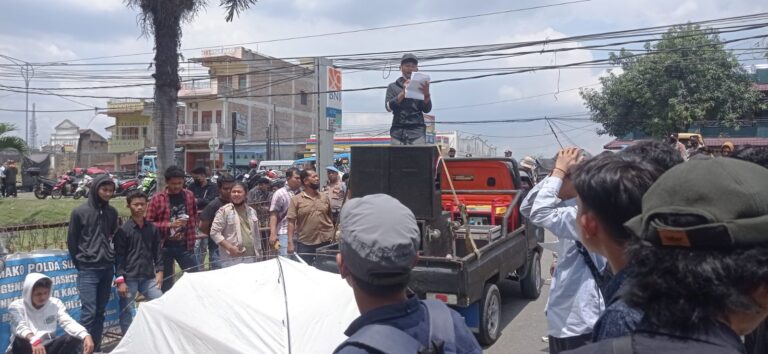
(278, 211)
(309, 216)
(225, 183)
(203, 190)
(677, 145)
(610, 189)
(11, 173)
(34, 320)
(235, 229)
(174, 213)
(336, 191)
(726, 149)
(757, 341)
(260, 194)
(408, 127)
(451, 152)
(92, 227)
(138, 259)
(377, 252)
(575, 301)
(699, 248)
(2, 178)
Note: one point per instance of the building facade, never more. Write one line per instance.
(65, 135)
(272, 95)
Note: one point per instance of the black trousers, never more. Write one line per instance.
(65, 344)
(2, 187)
(307, 252)
(557, 345)
(10, 189)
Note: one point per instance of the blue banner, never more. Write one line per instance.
(58, 266)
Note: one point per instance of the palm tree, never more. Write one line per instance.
(11, 142)
(163, 19)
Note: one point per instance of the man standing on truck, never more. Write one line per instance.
(408, 126)
(575, 302)
(377, 252)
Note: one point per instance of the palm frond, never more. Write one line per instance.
(234, 7)
(13, 142)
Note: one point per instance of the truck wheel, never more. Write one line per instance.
(530, 286)
(490, 317)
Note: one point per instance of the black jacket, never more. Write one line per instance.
(91, 228)
(138, 251)
(204, 195)
(410, 112)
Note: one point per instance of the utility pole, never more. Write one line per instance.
(27, 72)
(33, 129)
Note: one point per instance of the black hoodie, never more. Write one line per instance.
(91, 228)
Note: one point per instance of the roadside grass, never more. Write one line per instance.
(25, 210)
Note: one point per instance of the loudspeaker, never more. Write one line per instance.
(407, 173)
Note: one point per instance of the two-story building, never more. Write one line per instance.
(132, 131)
(65, 135)
(268, 92)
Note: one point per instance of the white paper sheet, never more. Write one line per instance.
(413, 90)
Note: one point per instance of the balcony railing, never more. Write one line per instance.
(126, 143)
(202, 131)
(198, 88)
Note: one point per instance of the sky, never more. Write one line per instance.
(55, 31)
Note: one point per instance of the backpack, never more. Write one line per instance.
(390, 340)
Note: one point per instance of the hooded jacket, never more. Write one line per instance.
(42, 322)
(407, 113)
(91, 228)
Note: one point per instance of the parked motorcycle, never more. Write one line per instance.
(43, 187)
(124, 187)
(65, 186)
(148, 183)
(83, 187)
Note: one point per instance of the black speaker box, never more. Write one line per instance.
(407, 173)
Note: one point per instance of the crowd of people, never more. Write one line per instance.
(656, 254)
(8, 177)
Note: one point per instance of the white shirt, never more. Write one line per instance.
(575, 302)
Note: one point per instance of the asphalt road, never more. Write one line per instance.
(523, 322)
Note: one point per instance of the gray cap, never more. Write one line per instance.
(379, 239)
(729, 196)
(409, 57)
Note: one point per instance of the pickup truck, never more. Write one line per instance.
(490, 242)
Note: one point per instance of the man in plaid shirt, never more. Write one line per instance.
(174, 214)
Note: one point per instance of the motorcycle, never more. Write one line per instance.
(148, 183)
(83, 187)
(43, 187)
(65, 186)
(124, 187)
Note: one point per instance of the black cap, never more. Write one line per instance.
(409, 57)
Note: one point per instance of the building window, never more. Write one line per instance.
(194, 117)
(206, 120)
(129, 133)
(218, 117)
(144, 131)
(303, 96)
(241, 82)
(225, 82)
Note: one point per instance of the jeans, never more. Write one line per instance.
(145, 286)
(185, 259)
(408, 136)
(65, 344)
(283, 239)
(212, 251)
(94, 286)
(307, 252)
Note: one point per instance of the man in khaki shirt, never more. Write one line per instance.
(310, 214)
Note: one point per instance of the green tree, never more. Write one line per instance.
(686, 76)
(163, 19)
(11, 142)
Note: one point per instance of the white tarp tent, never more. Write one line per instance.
(275, 306)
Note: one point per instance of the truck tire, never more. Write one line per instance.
(490, 315)
(530, 285)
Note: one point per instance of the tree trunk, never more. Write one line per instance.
(167, 36)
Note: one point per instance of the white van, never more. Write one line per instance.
(276, 165)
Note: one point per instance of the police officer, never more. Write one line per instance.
(377, 252)
(700, 249)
